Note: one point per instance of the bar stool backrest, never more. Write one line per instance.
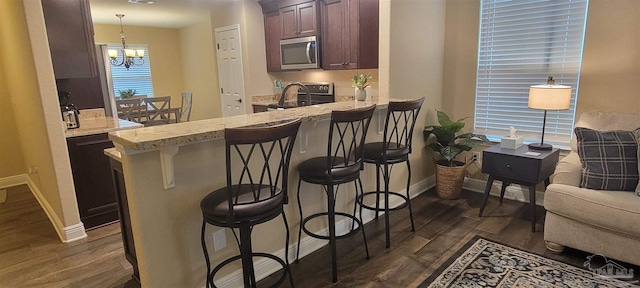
(347, 134)
(258, 156)
(398, 128)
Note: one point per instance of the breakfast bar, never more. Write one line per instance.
(168, 169)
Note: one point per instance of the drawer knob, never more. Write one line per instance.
(508, 165)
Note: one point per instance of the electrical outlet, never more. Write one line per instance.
(477, 156)
(219, 240)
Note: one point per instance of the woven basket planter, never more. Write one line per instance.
(449, 180)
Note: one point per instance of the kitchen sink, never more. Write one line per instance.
(286, 105)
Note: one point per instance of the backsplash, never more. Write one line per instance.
(275, 97)
(91, 113)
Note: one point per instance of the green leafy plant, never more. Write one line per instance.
(125, 94)
(361, 81)
(447, 143)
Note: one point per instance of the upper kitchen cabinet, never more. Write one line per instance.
(272, 30)
(298, 19)
(349, 34)
(70, 33)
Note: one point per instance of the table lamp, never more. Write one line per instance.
(548, 97)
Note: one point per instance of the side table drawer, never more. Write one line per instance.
(507, 166)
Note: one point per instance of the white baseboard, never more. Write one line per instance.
(65, 233)
(265, 267)
(11, 181)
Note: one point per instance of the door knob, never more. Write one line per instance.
(239, 100)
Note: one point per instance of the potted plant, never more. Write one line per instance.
(449, 171)
(361, 82)
(126, 94)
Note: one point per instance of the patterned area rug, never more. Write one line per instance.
(483, 263)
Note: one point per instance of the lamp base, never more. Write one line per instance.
(540, 146)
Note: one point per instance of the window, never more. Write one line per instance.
(137, 77)
(521, 43)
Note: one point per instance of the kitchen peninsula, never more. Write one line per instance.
(168, 169)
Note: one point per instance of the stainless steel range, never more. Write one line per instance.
(320, 92)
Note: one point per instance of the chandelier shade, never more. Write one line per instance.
(130, 57)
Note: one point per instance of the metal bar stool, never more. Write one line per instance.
(260, 158)
(394, 148)
(341, 165)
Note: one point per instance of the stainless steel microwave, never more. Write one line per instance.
(299, 53)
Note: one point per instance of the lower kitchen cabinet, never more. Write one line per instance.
(260, 108)
(92, 178)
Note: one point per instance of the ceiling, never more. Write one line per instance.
(163, 13)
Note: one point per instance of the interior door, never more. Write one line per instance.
(230, 72)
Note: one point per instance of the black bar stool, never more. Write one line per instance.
(260, 158)
(394, 148)
(341, 165)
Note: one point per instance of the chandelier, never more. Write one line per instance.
(128, 55)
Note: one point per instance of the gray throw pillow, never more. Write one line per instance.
(609, 159)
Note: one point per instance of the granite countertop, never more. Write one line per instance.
(113, 153)
(154, 137)
(93, 121)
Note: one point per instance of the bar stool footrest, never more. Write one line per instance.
(402, 205)
(255, 254)
(326, 237)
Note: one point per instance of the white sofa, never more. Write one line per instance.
(598, 222)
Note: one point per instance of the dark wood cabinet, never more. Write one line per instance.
(348, 30)
(349, 34)
(257, 108)
(300, 20)
(70, 33)
(368, 34)
(92, 179)
(272, 34)
(125, 216)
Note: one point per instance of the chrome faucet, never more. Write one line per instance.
(284, 93)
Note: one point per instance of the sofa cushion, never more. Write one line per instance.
(614, 210)
(609, 159)
(606, 121)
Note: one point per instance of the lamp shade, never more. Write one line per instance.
(550, 97)
(113, 53)
(130, 52)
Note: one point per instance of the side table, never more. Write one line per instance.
(518, 166)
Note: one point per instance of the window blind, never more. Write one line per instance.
(137, 77)
(521, 43)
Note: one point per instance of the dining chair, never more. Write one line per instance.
(130, 109)
(159, 111)
(185, 108)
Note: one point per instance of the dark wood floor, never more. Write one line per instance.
(32, 256)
